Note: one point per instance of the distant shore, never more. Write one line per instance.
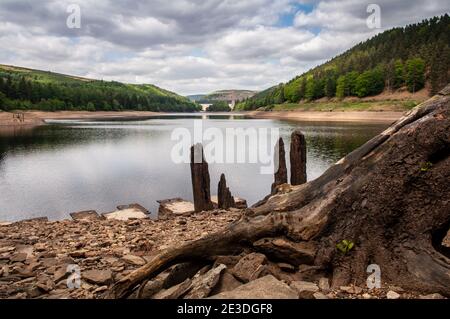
(36, 118)
(356, 116)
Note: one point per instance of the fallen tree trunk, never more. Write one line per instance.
(390, 197)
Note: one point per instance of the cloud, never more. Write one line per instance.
(192, 46)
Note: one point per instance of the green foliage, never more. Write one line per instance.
(219, 106)
(34, 89)
(2, 101)
(397, 57)
(426, 167)
(415, 74)
(345, 246)
(369, 83)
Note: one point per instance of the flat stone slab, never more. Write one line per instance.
(126, 214)
(134, 206)
(175, 207)
(267, 287)
(85, 215)
(240, 203)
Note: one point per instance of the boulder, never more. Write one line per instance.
(181, 272)
(98, 277)
(392, 295)
(227, 282)
(204, 284)
(286, 250)
(126, 214)
(175, 207)
(174, 292)
(267, 287)
(85, 215)
(305, 289)
(324, 284)
(250, 267)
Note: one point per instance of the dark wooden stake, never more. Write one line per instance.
(280, 165)
(298, 158)
(200, 180)
(224, 198)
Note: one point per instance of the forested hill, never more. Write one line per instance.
(410, 57)
(22, 88)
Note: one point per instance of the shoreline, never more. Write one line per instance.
(308, 116)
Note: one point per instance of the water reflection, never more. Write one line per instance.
(77, 165)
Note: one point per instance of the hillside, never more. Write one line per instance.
(408, 58)
(22, 88)
(222, 95)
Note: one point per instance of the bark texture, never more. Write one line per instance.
(280, 175)
(298, 158)
(200, 180)
(224, 198)
(390, 197)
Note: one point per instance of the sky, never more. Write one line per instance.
(193, 46)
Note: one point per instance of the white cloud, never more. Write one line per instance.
(192, 46)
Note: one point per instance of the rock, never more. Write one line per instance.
(224, 198)
(204, 284)
(7, 249)
(286, 267)
(249, 267)
(200, 180)
(267, 287)
(227, 282)
(392, 295)
(174, 292)
(134, 260)
(284, 249)
(126, 214)
(37, 219)
(98, 277)
(174, 207)
(298, 158)
(134, 206)
(85, 215)
(181, 272)
(319, 295)
(19, 257)
(305, 289)
(351, 289)
(446, 240)
(78, 253)
(367, 296)
(280, 175)
(240, 203)
(60, 274)
(432, 296)
(324, 284)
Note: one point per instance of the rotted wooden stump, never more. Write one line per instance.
(298, 158)
(225, 199)
(280, 165)
(200, 180)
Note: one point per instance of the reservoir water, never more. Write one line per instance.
(77, 165)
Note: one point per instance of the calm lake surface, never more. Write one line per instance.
(73, 165)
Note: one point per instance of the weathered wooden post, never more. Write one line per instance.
(200, 179)
(224, 198)
(298, 158)
(280, 175)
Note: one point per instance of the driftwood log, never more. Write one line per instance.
(390, 197)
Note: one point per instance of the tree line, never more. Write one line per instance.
(407, 57)
(19, 92)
